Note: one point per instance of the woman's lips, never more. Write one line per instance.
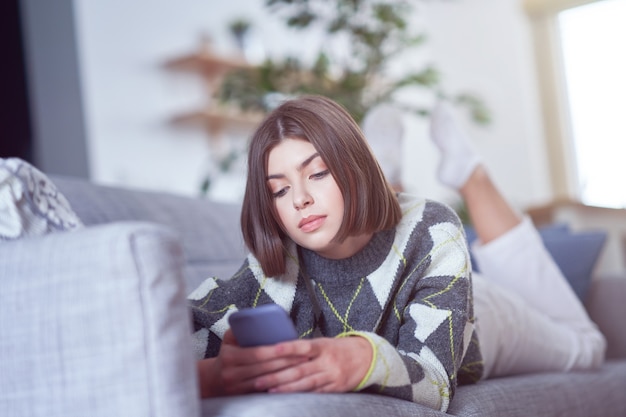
(311, 223)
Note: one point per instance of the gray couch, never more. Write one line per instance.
(94, 323)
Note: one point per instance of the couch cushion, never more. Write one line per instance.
(209, 230)
(315, 405)
(573, 394)
(575, 253)
(30, 204)
(606, 305)
(95, 323)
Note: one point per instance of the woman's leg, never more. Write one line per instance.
(461, 168)
(530, 320)
(490, 213)
(528, 316)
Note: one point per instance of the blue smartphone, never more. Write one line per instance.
(267, 324)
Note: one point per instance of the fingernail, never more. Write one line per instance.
(259, 384)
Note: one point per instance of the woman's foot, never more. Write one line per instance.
(458, 157)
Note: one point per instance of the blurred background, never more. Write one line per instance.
(163, 95)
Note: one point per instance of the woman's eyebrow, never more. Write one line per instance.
(308, 161)
(299, 168)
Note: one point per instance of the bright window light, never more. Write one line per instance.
(594, 52)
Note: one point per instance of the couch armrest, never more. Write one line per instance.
(95, 322)
(606, 304)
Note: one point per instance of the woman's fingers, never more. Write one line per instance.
(236, 356)
(306, 377)
(229, 338)
(334, 365)
(317, 365)
(232, 374)
(239, 367)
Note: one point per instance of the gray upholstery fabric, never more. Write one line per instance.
(575, 394)
(606, 305)
(314, 405)
(95, 323)
(209, 231)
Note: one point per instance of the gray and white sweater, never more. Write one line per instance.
(408, 292)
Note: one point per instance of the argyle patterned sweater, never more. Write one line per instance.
(408, 291)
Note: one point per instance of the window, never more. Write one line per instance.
(594, 62)
(582, 71)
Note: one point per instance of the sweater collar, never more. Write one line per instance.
(361, 264)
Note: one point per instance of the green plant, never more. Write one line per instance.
(239, 27)
(373, 33)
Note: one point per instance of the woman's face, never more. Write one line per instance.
(308, 201)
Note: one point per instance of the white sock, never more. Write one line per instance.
(458, 157)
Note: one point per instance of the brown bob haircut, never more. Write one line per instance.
(370, 202)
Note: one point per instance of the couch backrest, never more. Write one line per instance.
(209, 230)
(607, 308)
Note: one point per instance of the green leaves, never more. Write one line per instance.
(478, 110)
(428, 77)
(301, 20)
(372, 34)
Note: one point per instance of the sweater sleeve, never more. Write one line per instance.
(212, 302)
(433, 308)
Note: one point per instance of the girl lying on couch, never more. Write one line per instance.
(390, 305)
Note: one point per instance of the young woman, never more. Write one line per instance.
(377, 284)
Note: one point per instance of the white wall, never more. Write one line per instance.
(482, 46)
(129, 96)
(485, 47)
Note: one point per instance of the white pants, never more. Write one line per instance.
(528, 317)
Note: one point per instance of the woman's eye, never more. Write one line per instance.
(320, 175)
(279, 193)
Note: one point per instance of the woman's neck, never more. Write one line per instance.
(347, 248)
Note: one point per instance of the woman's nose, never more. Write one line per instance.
(302, 200)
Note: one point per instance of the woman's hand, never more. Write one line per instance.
(315, 365)
(235, 370)
(333, 365)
